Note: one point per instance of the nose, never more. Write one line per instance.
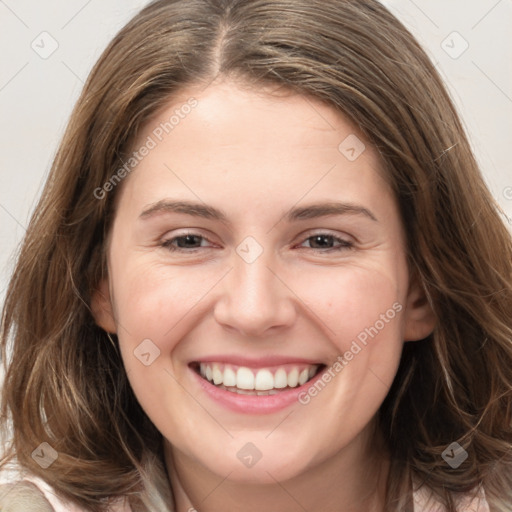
(255, 299)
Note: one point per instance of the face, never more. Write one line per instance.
(258, 282)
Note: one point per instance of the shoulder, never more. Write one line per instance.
(35, 495)
(22, 496)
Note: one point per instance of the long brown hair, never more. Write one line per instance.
(65, 383)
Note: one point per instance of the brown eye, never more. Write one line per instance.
(185, 242)
(326, 241)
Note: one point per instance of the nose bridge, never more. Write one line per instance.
(253, 298)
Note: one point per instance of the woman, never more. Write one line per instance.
(337, 336)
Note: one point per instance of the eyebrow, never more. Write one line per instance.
(205, 211)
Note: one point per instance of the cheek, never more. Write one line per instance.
(162, 304)
(352, 300)
(362, 309)
(151, 298)
(155, 309)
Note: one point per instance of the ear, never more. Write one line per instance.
(101, 306)
(420, 320)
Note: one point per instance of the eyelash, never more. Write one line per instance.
(344, 244)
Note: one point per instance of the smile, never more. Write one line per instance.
(257, 381)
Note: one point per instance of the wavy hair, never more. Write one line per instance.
(65, 383)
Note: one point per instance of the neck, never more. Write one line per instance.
(352, 480)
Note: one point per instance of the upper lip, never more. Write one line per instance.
(255, 362)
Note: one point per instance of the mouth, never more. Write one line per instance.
(243, 380)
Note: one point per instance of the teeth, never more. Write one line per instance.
(293, 378)
(244, 378)
(217, 374)
(303, 376)
(260, 382)
(229, 377)
(280, 379)
(264, 380)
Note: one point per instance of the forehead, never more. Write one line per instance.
(226, 139)
(235, 115)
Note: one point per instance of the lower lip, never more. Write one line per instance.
(254, 404)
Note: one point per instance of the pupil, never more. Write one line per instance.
(182, 241)
(319, 238)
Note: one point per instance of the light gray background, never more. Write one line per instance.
(37, 94)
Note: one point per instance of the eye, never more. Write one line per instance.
(187, 242)
(324, 242)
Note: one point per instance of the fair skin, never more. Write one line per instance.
(317, 285)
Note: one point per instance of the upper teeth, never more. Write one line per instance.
(259, 379)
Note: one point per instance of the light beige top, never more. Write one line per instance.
(24, 498)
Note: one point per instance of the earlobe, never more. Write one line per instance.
(101, 306)
(420, 319)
